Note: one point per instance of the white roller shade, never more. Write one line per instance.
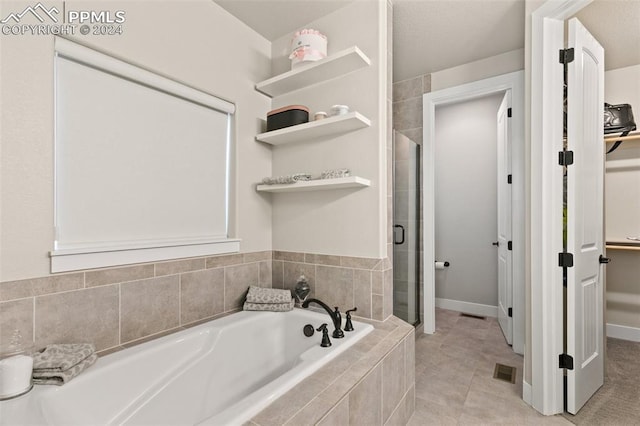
(141, 160)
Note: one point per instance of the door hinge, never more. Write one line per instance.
(510, 245)
(565, 158)
(565, 361)
(509, 179)
(567, 55)
(510, 312)
(509, 113)
(565, 260)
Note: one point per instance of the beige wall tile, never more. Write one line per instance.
(10, 290)
(237, 280)
(178, 266)
(404, 411)
(257, 256)
(407, 114)
(89, 315)
(288, 256)
(225, 260)
(292, 272)
(277, 273)
(149, 307)
(265, 278)
(366, 399)
(377, 282)
(415, 135)
(201, 294)
(407, 89)
(426, 83)
(410, 359)
(16, 315)
(338, 416)
(322, 259)
(393, 380)
(334, 286)
(376, 307)
(388, 293)
(362, 292)
(358, 262)
(118, 275)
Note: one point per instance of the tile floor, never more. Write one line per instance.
(454, 376)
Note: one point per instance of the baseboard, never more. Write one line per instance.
(526, 392)
(468, 307)
(623, 332)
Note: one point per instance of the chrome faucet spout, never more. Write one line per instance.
(335, 316)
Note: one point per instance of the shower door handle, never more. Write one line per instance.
(394, 234)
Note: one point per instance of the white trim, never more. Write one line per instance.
(63, 262)
(545, 207)
(623, 332)
(79, 53)
(515, 82)
(526, 392)
(467, 307)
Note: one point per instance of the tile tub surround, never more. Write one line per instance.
(117, 307)
(372, 383)
(344, 281)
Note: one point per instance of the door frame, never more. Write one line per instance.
(512, 81)
(546, 390)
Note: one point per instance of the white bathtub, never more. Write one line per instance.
(221, 372)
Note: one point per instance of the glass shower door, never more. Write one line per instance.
(406, 229)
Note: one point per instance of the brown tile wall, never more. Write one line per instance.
(116, 306)
(347, 282)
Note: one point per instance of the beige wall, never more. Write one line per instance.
(343, 222)
(622, 208)
(194, 42)
(478, 70)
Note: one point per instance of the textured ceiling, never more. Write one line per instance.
(432, 35)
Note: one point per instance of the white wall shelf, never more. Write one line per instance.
(316, 129)
(336, 65)
(318, 185)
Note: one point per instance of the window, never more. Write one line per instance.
(142, 165)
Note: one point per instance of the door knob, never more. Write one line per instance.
(497, 244)
(603, 259)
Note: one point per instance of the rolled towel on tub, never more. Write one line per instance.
(268, 295)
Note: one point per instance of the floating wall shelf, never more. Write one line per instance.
(336, 65)
(318, 185)
(316, 129)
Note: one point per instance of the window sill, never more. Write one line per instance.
(65, 260)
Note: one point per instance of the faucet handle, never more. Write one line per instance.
(325, 336)
(349, 325)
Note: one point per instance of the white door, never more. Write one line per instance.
(585, 239)
(505, 283)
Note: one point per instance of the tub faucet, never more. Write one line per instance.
(335, 316)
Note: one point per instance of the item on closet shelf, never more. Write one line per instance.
(339, 110)
(308, 45)
(59, 363)
(335, 173)
(277, 180)
(319, 115)
(618, 119)
(287, 116)
(633, 238)
(16, 365)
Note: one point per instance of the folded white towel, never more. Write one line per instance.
(273, 307)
